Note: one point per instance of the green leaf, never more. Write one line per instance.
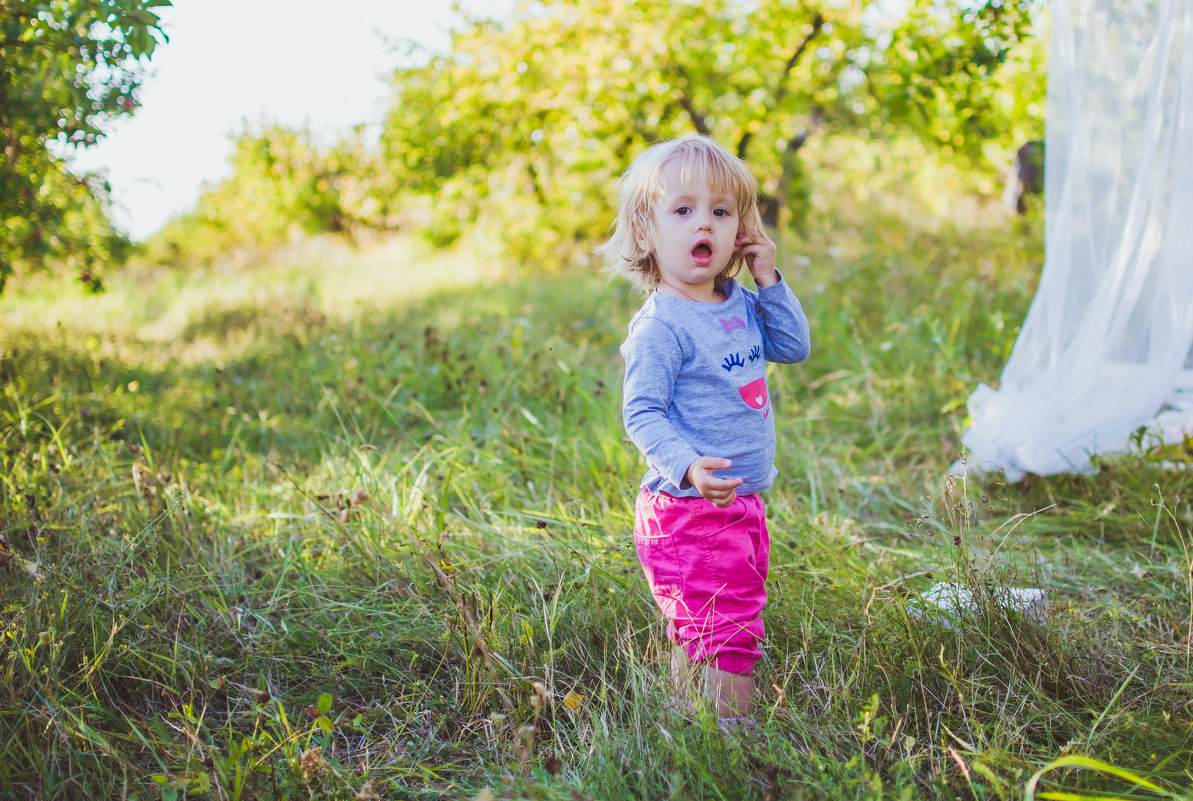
(202, 784)
(324, 704)
(1078, 761)
(1062, 796)
(1105, 767)
(324, 723)
(984, 770)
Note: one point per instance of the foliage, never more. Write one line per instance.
(523, 125)
(284, 185)
(67, 67)
(940, 73)
(332, 525)
(527, 125)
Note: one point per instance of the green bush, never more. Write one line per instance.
(284, 186)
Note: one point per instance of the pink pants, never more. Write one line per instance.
(706, 567)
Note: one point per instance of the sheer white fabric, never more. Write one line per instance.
(1107, 346)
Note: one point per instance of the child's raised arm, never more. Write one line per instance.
(786, 338)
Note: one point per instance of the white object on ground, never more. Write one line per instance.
(945, 602)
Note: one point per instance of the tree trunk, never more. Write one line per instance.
(771, 208)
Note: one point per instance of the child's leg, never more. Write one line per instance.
(682, 677)
(731, 693)
(706, 567)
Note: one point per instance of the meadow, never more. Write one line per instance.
(354, 522)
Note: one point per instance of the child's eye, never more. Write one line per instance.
(722, 212)
(683, 211)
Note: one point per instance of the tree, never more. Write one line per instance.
(284, 185)
(67, 67)
(537, 116)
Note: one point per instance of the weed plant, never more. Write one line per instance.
(355, 524)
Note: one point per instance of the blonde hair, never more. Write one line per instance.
(643, 185)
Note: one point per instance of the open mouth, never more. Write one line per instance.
(702, 252)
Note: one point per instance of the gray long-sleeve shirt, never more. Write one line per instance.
(695, 383)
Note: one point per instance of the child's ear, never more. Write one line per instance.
(643, 238)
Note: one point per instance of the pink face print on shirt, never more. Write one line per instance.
(756, 395)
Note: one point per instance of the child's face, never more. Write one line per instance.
(694, 234)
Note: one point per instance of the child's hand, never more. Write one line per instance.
(717, 491)
(759, 253)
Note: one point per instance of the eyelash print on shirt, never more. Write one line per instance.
(755, 353)
(731, 361)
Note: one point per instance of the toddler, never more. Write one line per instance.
(696, 402)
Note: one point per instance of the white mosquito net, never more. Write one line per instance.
(1107, 346)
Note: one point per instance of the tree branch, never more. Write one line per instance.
(797, 141)
(781, 85)
(698, 119)
(817, 25)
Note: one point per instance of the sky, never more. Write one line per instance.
(229, 63)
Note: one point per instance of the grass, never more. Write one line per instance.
(355, 524)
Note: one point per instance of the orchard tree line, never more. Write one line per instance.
(522, 126)
(531, 123)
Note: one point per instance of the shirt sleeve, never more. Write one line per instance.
(653, 358)
(785, 335)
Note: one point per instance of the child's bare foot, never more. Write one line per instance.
(732, 693)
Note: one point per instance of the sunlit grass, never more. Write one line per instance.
(377, 503)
